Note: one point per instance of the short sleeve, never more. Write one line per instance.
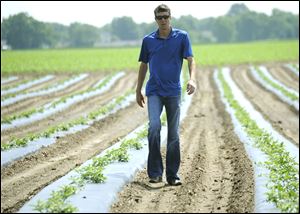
(144, 57)
(187, 50)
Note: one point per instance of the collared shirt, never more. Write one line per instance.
(165, 57)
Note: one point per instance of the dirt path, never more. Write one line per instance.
(74, 111)
(284, 118)
(217, 176)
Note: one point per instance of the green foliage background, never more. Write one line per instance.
(115, 59)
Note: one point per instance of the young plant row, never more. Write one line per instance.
(65, 98)
(44, 90)
(26, 84)
(8, 80)
(283, 182)
(92, 173)
(28, 113)
(25, 114)
(4, 88)
(22, 142)
(287, 93)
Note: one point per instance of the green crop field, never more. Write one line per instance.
(104, 59)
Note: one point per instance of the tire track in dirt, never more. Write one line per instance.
(216, 173)
(284, 77)
(36, 102)
(74, 111)
(283, 118)
(24, 178)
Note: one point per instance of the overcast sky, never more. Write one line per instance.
(99, 13)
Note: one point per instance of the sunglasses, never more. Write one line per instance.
(162, 17)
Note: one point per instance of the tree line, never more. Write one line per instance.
(239, 24)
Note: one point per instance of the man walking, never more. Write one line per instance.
(164, 51)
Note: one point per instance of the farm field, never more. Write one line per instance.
(216, 169)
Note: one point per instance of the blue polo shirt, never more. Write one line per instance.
(165, 57)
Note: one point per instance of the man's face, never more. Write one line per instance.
(163, 20)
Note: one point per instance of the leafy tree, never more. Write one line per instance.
(58, 35)
(283, 25)
(82, 35)
(246, 27)
(145, 28)
(237, 9)
(22, 31)
(124, 28)
(224, 29)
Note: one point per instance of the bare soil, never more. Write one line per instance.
(216, 173)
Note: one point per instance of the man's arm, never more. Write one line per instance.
(191, 85)
(142, 74)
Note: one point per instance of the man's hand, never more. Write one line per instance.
(140, 99)
(191, 87)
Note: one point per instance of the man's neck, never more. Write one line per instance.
(164, 33)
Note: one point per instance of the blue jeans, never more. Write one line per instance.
(155, 165)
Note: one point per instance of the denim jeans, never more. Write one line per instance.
(155, 165)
